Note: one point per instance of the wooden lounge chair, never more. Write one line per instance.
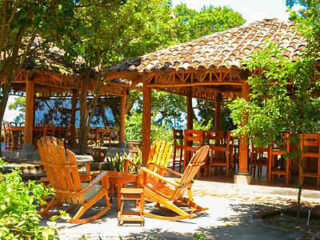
(160, 154)
(63, 175)
(170, 193)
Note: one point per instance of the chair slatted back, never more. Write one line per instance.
(8, 135)
(61, 169)
(193, 141)
(160, 154)
(310, 146)
(70, 135)
(192, 169)
(178, 138)
(219, 140)
(49, 130)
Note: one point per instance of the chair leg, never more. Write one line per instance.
(318, 178)
(181, 159)
(227, 162)
(167, 204)
(174, 158)
(210, 163)
(44, 209)
(270, 168)
(86, 206)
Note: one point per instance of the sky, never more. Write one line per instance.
(251, 10)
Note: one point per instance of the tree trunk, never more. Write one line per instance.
(83, 138)
(5, 91)
(300, 186)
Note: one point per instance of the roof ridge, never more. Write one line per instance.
(220, 49)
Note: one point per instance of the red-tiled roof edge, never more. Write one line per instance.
(225, 49)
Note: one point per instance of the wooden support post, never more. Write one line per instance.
(146, 123)
(73, 117)
(189, 110)
(34, 110)
(122, 132)
(243, 148)
(217, 116)
(74, 107)
(28, 128)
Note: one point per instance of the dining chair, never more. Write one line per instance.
(310, 157)
(177, 145)
(258, 160)
(193, 141)
(8, 135)
(219, 143)
(234, 152)
(278, 163)
(49, 130)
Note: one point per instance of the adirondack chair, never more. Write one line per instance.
(63, 175)
(160, 154)
(170, 193)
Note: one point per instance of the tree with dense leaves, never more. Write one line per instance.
(284, 94)
(20, 23)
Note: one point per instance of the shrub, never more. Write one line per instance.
(19, 218)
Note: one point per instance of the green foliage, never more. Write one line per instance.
(134, 128)
(203, 125)
(199, 236)
(116, 162)
(20, 105)
(19, 201)
(282, 98)
(191, 24)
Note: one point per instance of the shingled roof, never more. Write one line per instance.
(225, 49)
(46, 57)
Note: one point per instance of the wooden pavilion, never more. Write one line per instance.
(45, 73)
(207, 68)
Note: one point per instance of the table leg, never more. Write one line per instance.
(111, 190)
(119, 186)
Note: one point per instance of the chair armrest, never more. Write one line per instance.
(153, 174)
(128, 162)
(97, 179)
(167, 169)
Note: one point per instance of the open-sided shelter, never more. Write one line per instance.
(45, 73)
(207, 68)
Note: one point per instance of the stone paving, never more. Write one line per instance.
(231, 208)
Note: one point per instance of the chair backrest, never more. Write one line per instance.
(193, 139)
(61, 169)
(216, 138)
(8, 128)
(310, 145)
(178, 138)
(160, 154)
(49, 130)
(8, 134)
(192, 169)
(70, 135)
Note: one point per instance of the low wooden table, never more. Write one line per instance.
(118, 179)
(131, 194)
